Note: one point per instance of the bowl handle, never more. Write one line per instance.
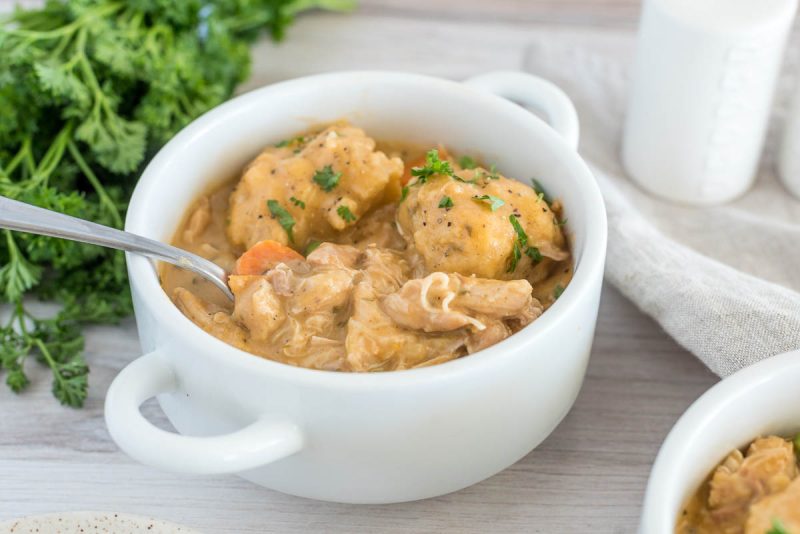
(537, 93)
(265, 440)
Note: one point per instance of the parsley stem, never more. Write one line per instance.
(50, 361)
(22, 154)
(105, 200)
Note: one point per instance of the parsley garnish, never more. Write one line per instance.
(520, 245)
(433, 166)
(467, 162)
(299, 140)
(285, 218)
(446, 202)
(520, 241)
(534, 254)
(562, 222)
(521, 236)
(493, 175)
(312, 246)
(345, 213)
(777, 527)
(494, 202)
(540, 191)
(326, 178)
(559, 289)
(298, 202)
(404, 193)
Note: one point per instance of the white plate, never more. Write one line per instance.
(93, 522)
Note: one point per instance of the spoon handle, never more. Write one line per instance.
(15, 215)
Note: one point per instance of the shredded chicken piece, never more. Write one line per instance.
(341, 256)
(374, 341)
(257, 306)
(783, 507)
(443, 302)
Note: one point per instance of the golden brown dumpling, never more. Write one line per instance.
(463, 226)
(325, 182)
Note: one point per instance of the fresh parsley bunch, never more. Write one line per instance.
(89, 89)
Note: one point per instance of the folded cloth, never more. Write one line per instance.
(723, 281)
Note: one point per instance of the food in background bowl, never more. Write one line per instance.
(755, 491)
(348, 256)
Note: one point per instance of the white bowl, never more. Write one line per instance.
(367, 438)
(759, 400)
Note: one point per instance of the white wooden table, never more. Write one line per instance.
(589, 476)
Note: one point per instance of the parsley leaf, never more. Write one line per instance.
(299, 140)
(433, 166)
(446, 202)
(285, 218)
(521, 244)
(777, 527)
(312, 246)
(345, 213)
(494, 202)
(521, 237)
(559, 289)
(466, 162)
(298, 202)
(534, 254)
(326, 178)
(404, 193)
(540, 191)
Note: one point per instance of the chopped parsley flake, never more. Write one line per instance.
(777, 527)
(312, 246)
(559, 289)
(494, 202)
(520, 242)
(522, 237)
(493, 175)
(540, 191)
(534, 254)
(345, 213)
(326, 178)
(403, 193)
(433, 166)
(446, 202)
(285, 218)
(300, 139)
(520, 245)
(467, 162)
(562, 222)
(298, 202)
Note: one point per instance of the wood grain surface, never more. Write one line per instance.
(588, 476)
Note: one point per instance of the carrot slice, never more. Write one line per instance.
(263, 256)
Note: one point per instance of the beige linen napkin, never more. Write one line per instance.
(723, 281)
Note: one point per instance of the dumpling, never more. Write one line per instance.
(462, 224)
(311, 188)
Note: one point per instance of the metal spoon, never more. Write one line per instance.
(23, 217)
